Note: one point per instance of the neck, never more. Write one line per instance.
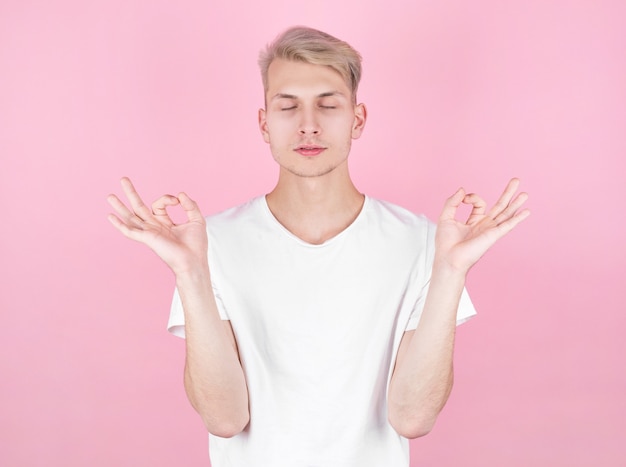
(315, 209)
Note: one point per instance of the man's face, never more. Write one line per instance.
(310, 118)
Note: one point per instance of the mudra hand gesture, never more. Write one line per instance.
(182, 246)
(460, 245)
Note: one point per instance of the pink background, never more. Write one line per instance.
(458, 92)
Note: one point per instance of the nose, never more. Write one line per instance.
(308, 123)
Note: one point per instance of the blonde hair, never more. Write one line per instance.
(303, 44)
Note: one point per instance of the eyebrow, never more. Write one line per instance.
(281, 95)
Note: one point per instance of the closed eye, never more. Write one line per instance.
(288, 108)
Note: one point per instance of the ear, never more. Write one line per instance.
(360, 117)
(263, 125)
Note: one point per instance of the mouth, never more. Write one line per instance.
(309, 150)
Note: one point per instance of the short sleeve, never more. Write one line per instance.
(176, 322)
(466, 308)
(465, 311)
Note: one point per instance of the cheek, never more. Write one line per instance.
(279, 128)
(342, 127)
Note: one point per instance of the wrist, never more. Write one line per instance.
(192, 274)
(445, 270)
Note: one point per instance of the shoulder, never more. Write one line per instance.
(397, 217)
(397, 228)
(236, 232)
(399, 234)
(237, 216)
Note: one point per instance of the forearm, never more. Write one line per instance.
(423, 376)
(214, 379)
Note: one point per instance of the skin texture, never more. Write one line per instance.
(309, 123)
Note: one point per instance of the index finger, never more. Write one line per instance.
(139, 207)
(451, 205)
(505, 198)
(191, 208)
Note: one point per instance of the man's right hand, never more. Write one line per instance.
(214, 379)
(183, 247)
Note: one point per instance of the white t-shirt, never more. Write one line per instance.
(318, 328)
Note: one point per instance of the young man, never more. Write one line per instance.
(319, 322)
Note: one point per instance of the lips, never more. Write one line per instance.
(309, 150)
